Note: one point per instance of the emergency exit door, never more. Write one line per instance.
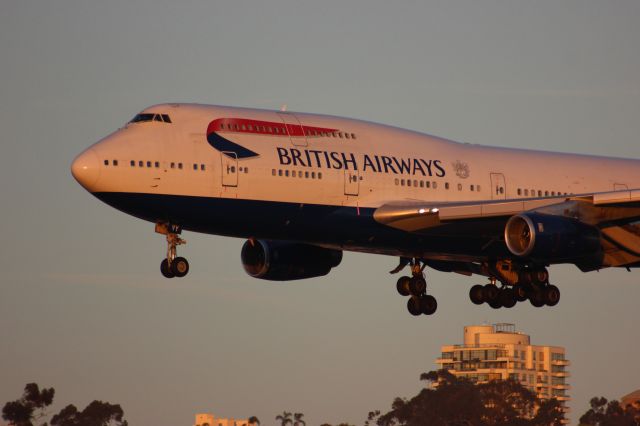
(294, 129)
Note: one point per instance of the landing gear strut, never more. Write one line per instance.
(416, 287)
(172, 265)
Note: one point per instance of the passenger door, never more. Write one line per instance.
(351, 182)
(294, 128)
(498, 187)
(229, 168)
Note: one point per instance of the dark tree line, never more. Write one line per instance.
(612, 413)
(31, 408)
(460, 402)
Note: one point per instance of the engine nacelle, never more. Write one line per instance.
(285, 261)
(551, 238)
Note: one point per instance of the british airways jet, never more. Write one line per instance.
(302, 188)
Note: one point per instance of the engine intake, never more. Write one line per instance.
(551, 238)
(285, 261)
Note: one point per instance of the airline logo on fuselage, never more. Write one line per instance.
(218, 127)
(316, 158)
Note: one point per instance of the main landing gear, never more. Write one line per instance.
(416, 287)
(532, 285)
(172, 265)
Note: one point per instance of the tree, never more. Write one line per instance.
(30, 407)
(460, 402)
(253, 420)
(603, 413)
(97, 413)
(284, 418)
(298, 420)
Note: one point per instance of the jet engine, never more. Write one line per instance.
(285, 261)
(552, 239)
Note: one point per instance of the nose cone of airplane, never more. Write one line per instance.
(86, 169)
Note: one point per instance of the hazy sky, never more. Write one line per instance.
(83, 307)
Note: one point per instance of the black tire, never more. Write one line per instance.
(520, 293)
(490, 292)
(536, 297)
(166, 270)
(428, 305)
(417, 286)
(495, 303)
(413, 306)
(551, 295)
(476, 294)
(402, 285)
(541, 277)
(507, 298)
(180, 267)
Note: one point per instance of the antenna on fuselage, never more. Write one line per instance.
(283, 108)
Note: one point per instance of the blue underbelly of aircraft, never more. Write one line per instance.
(336, 226)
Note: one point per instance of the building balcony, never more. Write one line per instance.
(561, 374)
(444, 361)
(564, 398)
(561, 386)
(564, 362)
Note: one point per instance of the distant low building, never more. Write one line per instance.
(632, 399)
(498, 351)
(207, 419)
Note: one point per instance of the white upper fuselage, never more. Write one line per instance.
(326, 160)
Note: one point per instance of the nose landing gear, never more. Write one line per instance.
(172, 265)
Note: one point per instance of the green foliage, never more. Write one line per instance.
(603, 413)
(459, 402)
(30, 407)
(284, 418)
(253, 420)
(297, 420)
(97, 413)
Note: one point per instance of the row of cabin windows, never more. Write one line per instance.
(427, 184)
(154, 164)
(283, 131)
(296, 173)
(525, 192)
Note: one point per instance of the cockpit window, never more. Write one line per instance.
(143, 117)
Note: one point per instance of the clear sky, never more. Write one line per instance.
(83, 307)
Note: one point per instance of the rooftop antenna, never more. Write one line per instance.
(283, 108)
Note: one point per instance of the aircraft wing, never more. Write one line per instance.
(593, 209)
(612, 213)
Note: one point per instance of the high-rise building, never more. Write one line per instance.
(498, 351)
(207, 419)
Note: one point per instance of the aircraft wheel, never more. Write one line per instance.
(490, 292)
(520, 293)
(166, 270)
(403, 286)
(180, 267)
(536, 297)
(495, 303)
(414, 306)
(428, 304)
(417, 285)
(507, 298)
(476, 294)
(551, 295)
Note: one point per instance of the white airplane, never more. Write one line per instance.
(301, 188)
